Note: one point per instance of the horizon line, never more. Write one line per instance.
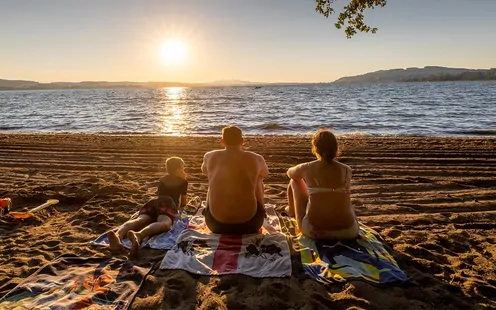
(240, 81)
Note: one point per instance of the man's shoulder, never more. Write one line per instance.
(213, 153)
(254, 155)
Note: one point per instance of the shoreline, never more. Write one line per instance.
(481, 134)
(432, 199)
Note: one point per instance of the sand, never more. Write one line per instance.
(432, 199)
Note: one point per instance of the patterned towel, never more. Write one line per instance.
(164, 241)
(78, 283)
(259, 255)
(365, 258)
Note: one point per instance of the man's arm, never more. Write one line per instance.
(204, 164)
(264, 170)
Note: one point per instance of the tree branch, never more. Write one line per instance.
(352, 15)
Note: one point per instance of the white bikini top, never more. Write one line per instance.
(345, 188)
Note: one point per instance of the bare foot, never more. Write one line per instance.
(135, 241)
(115, 243)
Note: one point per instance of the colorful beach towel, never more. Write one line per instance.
(78, 283)
(199, 251)
(164, 241)
(365, 258)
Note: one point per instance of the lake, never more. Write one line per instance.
(422, 109)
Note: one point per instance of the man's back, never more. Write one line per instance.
(235, 184)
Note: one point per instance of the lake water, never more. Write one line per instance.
(426, 109)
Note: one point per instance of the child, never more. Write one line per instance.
(157, 215)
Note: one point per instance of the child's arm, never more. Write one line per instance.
(161, 188)
(184, 200)
(184, 194)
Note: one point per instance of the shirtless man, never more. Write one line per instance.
(235, 199)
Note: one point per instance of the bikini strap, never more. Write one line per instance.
(313, 177)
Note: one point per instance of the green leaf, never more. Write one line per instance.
(351, 17)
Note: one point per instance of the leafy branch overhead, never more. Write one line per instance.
(352, 15)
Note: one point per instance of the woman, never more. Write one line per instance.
(319, 193)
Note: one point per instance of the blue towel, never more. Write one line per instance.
(365, 258)
(164, 241)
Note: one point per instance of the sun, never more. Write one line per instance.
(173, 52)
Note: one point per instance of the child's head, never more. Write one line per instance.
(325, 145)
(175, 166)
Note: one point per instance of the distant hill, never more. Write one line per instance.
(17, 84)
(32, 85)
(234, 83)
(426, 74)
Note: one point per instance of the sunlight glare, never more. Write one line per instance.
(173, 118)
(173, 93)
(173, 52)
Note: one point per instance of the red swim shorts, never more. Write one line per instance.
(159, 206)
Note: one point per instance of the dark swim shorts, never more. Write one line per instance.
(164, 205)
(250, 227)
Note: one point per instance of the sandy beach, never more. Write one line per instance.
(432, 199)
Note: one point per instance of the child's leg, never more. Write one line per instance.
(115, 238)
(163, 224)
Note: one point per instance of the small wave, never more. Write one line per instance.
(355, 134)
(134, 118)
(477, 132)
(7, 128)
(125, 133)
(273, 126)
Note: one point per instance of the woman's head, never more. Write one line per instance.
(325, 145)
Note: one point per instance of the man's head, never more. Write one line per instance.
(232, 136)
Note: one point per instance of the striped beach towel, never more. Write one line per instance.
(79, 283)
(199, 251)
(365, 258)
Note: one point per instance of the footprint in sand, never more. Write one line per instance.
(392, 233)
(33, 262)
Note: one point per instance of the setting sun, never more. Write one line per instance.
(173, 52)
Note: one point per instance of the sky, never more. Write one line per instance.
(251, 40)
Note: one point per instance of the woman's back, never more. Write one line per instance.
(329, 206)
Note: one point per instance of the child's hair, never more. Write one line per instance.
(172, 164)
(325, 145)
(232, 135)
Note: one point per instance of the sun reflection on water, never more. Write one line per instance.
(173, 116)
(174, 93)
